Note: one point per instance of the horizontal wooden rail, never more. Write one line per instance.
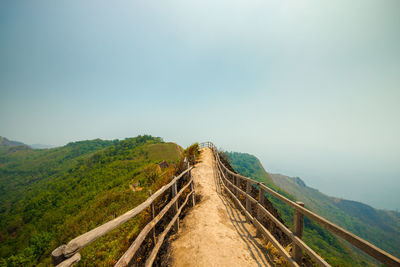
(287, 231)
(358, 242)
(70, 261)
(151, 258)
(259, 226)
(128, 255)
(66, 255)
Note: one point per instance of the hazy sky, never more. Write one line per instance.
(310, 87)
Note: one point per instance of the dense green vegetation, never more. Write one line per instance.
(334, 250)
(379, 227)
(50, 196)
(250, 166)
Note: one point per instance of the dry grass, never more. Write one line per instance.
(278, 259)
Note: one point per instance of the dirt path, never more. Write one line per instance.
(214, 233)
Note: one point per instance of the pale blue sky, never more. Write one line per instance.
(310, 87)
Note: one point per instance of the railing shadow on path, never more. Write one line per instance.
(238, 223)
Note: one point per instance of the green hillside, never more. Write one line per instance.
(50, 196)
(164, 151)
(379, 227)
(4, 142)
(334, 250)
(250, 166)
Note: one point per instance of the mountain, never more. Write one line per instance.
(4, 142)
(49, 196)
(333, 249)
(41, 146)
(250, 166)
(380, 227)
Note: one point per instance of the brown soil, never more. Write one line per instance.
(214, 232)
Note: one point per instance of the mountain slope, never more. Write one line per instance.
(53, 195)
(333, 249)
(41, 146)
(4, 142)
(249, 166)
(21, 168)
(379, 227)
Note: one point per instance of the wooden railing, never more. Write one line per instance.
(67, 255)
(232, 184)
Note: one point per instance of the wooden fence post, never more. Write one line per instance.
(298, 231)
(237, 185)
(248, 203)
(174, 192)
(192, 190)
(58, 255)
(261, 200)
(152, 217)
(227, 177)
(233, 180)
(220, 179)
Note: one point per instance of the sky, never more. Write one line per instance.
(312, 88)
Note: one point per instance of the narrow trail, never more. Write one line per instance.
(215, 233)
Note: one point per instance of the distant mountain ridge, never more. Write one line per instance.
(41, 146)
(334, 250)
(4, 142)
(381, 227)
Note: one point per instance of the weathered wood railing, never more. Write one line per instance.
(231, 183)
(67, 255)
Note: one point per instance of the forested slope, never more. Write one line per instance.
(334, 250)
(50, 196)
(379, 227)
